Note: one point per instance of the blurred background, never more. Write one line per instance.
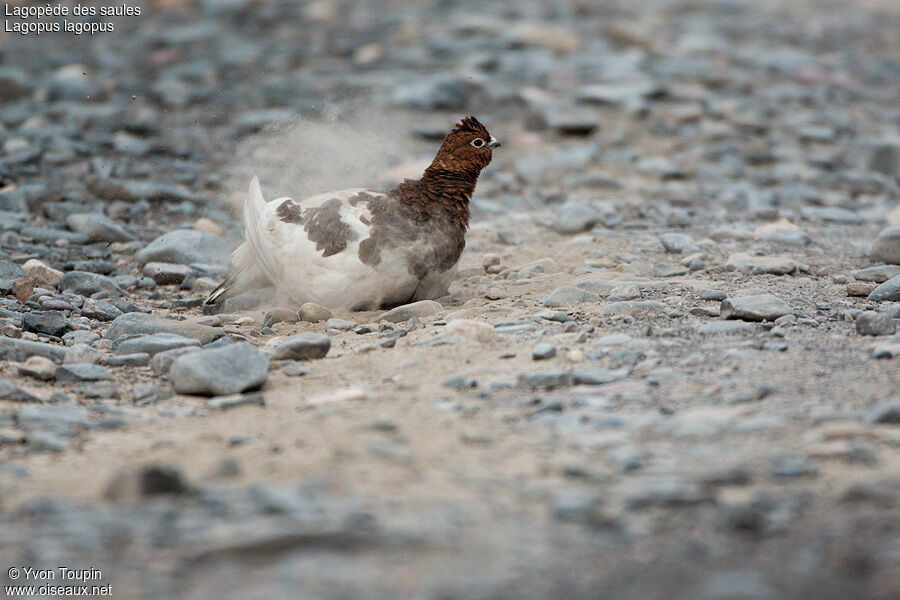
(709, 117)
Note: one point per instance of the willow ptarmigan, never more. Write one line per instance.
(358, 249)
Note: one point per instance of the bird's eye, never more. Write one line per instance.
(478, 142)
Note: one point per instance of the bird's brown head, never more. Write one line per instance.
(467, 149)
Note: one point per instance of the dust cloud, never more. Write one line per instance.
(348, 147)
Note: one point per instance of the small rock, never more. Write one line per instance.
(573, 217)
(139, 323)
(875, 323)
(886, 247)
(22, 288)
(340, 324)
(280, 315)
(62, 418)
(186, 247)
(543, 352)
(876, 274)
(545, 379)
(423, 308)
(162, 361)
(678, 243)
(633, 307)
(788, 236)
(146, 482)
(754, 265)
(880, 155)
(351, 394)
(87, 284)
(887, 291)
(579, 508)
(460, 382)
(78, 372)
(713, 295)
(724, 327)
(887, 412)
(82, 353)
(764, 307)
(80, 336)
(303, 346)
(294, 369)
(472, 329)
(860, 288)
(19, 349)
(155, 343)
(235, 400)
(10, 270)
(664, 270)
(568, 295)
(595, 376)
(41, 273)
(138, 359)
(38, 367)
(490, 260)
(207, 225)
(792, 466)
(98, 228)
(442, 91)
(166, 273)
(100, 310)
(220, 371)
(12, 393)
(314, 313)
(51, 322)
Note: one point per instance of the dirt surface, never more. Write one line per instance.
(632, 444)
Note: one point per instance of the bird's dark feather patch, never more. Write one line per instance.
(325, 228)
(290, 212)
(427, 217)
(362, 197)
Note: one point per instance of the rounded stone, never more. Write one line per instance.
(303, 346)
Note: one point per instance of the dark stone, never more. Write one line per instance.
(51, 322)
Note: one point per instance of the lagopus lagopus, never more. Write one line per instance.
(359, 249)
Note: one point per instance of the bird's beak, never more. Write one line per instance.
(494, 143)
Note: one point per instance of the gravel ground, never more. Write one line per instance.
(668, 369)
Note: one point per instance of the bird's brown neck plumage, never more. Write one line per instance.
(439, 192)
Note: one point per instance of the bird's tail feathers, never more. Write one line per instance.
(257, 238)
(220, 291)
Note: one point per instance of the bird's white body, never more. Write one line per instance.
(283, 254)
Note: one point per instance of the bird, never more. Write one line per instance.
(359, 249)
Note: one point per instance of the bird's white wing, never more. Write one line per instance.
(309, 249)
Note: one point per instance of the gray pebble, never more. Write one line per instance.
(139, 323)
(138, 359)
(886, 247)
(889, 290)
(888, 412)
(77, 372)
(875, 323)
(87, 284)
(303, 346)
(51, 322)
(185, 247)
(568, 295)
(546, 379)
(764, 307)
(460, 382)
(221, 371)
(154, 343)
